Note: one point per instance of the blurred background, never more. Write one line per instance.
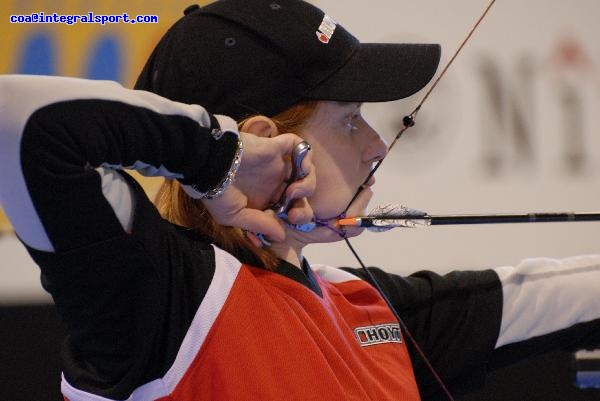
(513, 127)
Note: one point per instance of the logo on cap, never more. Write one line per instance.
(325, 31)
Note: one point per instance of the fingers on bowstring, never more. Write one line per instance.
(264, 222)
(301, 212)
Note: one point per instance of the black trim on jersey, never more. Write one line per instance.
(304, 277)
(310, 276)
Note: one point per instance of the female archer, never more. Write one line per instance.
(183, 300)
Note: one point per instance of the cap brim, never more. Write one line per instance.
(379, 72)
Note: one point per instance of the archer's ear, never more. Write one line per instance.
(261, 126)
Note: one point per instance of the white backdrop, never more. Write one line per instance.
(514, 127)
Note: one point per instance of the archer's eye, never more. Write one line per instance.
(350, 122)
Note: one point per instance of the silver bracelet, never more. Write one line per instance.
(229, 178)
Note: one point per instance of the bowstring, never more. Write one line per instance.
(410, 119)
(408, 122)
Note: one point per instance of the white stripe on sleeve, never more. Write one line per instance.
(545, 295)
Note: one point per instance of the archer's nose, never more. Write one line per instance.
(376, 148)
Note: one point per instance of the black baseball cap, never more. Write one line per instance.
(246, 57)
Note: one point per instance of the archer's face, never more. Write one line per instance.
(345, 148)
